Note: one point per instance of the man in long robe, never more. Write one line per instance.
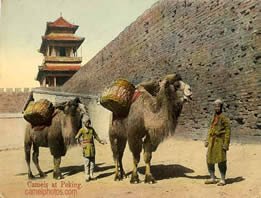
(217, 141)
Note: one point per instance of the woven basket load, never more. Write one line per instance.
(117, 98)
(39, 113)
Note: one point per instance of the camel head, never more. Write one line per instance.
(75, 109)
(177, 91)
(72, 107)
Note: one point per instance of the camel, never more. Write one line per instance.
(59, 136)
(152, 117)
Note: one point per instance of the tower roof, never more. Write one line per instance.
(63, 37)
(60, 38)
(61, 68)
(61, 22)
(43, 70)
(60, 31)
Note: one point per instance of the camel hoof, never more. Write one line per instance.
(134, 179)
(149, 179)
(57, 176)
(31, 176)
(118, 177)
(123, 175)
(42, 175)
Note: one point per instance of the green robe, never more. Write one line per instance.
(87, 135)
(218, 138)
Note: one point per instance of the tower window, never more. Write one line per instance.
(62, 51)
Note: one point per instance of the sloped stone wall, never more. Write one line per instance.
(214, 44)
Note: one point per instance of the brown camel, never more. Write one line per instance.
(152, 117)
(59, 136)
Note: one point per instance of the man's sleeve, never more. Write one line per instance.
(96, 136)
(227, 132)
(78, 134)
(207, 139)
(209, 126)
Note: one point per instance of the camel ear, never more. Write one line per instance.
(77, 100)
(164, 83)
(172, 78)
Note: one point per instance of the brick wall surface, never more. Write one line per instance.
(214, 45)
(12, 102)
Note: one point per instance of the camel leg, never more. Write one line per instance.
(36, 161)
(123, 174)
(121, 151)
(114, 142)
(56, 170)
(27, 150)
(135, 145)
(147, 158)
(134, 175)
(118, 145)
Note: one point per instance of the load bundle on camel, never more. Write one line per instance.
(39, 113)
(152, 117)
(59, 136)
(117, 97)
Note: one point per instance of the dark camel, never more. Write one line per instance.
(59, 136)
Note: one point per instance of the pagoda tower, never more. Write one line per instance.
(59, 48)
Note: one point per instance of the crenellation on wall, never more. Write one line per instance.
(27, 89)
(15, 90)
(18, 90)
(9, 90)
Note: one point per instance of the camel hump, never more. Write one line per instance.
(117, 97)
(150, 86)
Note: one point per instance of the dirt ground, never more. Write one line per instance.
(178, 165)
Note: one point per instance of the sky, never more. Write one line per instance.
(23, 22)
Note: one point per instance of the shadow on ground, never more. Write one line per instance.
(162, 171)
(72, 170)
(234, 180)
(104, 175)
(228, 180)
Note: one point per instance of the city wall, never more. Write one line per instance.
(215, 45)
(12, 124)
